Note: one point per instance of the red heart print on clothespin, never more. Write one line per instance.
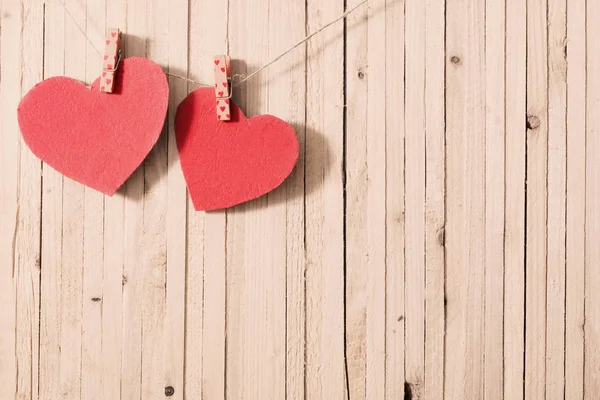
(223, 86)
(110, 61)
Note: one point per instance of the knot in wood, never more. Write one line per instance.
(169, 391)
(455, 60)
(533, 122)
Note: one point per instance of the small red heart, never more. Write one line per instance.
(228, 116)
(222, 109)
(224, 84)
(108, 81)
(106, 57)
(227, 101)
(107, 42)
(96, 138)
(104, 74)
(113, 34)
(217, 62)
(114, 57)
(228, 163)
(222, 69)
(109, 66)
(221, 94)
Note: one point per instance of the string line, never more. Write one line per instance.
(63, 5)
(237, 79)
(227, 29)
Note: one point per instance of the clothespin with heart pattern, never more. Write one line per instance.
(110, 61)
(223, 86)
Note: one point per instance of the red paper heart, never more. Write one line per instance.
(228, 163)
(96, 138)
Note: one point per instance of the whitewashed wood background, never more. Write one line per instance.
(438, 238)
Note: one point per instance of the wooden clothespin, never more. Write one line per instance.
(110, 61)
(223, 86)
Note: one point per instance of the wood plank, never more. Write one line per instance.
(296, 188)
(415, 225)
(199, 68)
(11, 19)
(73, 209)
(356, 201)
(324, 217)
(93, 233)
(174, 335)
(465, 202)
(209, 245)
(494, 197)
(592, 224)
(537, 175)
(514, 220)
(376, 201)
(395, 211)
(241, 347)
(133, 279)
(52, 199)
(576, 169)
(114, 256)
(556, 225)
(215, 286)
(154, 240)
(27, 249)
(257, 252)
(194, 354)
(435, 204)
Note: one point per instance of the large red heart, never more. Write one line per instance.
(95, 138)
(228, 163)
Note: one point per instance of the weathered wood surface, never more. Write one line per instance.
(437, 239)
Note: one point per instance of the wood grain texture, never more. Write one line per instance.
(134, 257)
(436, 239)
(52, 199)
(576, 200)
(435, 204)
(465, 199)
(321, 294)
(591, 384)
(495, 130)
(514, 206)
(395, 206)
(357, 256)
(414, 199)
(9, 200)
(93, 238)
(557, 178)
(175, 285)
(26, 248)
(115, 251)
(536, 200)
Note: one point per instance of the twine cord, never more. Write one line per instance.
(237, 79)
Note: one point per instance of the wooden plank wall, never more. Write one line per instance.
(437, 239)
